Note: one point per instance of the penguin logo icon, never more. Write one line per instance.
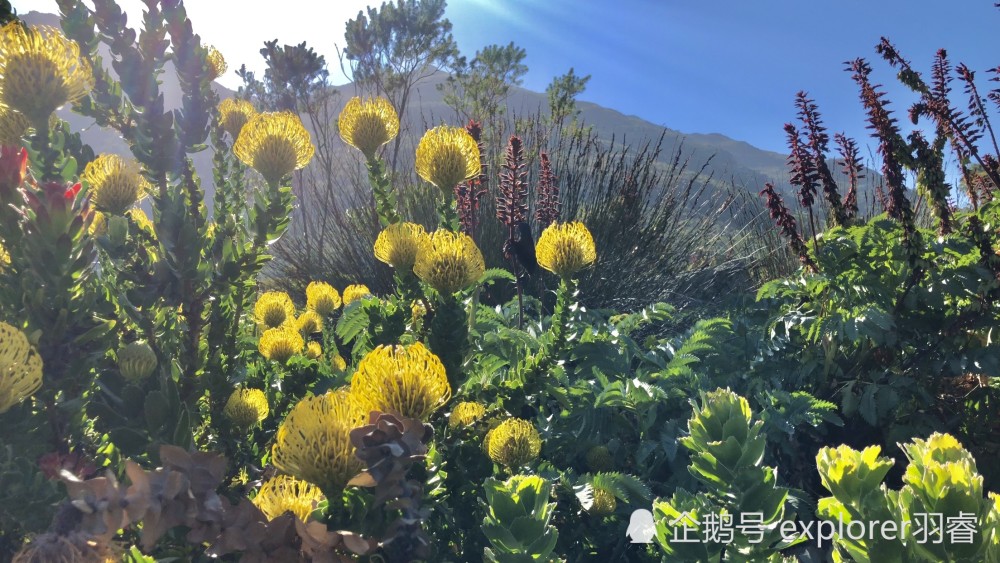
(641, 527)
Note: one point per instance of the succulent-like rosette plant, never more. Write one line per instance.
(368, 124)
(274, 144)
(42, 71)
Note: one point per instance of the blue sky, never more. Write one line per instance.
(730, 67)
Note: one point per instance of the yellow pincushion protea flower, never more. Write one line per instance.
(447, 156)
(42, 70)
(216, 63)
(397, 245)
(314, 350)
(466, 414)
(314, 443)
(338, 362)
(368, 124)
(449, 261)
(284, 493)
(137, 361)
(4, 258)
(13, 126)
(115, 183)
(280, 344)
(309, 322)
(246, 407)
(604, 502)
(20, 367)
(234, 114)
(274, 144)
(274, 309)
(565, 248)
(514, 443)
(322, 298)
(354, 292)
(410, 381)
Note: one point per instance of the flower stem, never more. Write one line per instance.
(385, 199)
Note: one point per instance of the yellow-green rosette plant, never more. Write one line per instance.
(565, 248)
(314, 444)
(20, 367)
(42, 71)
(354, 292)
(275, 144)
(281, 343)
(284, 493)
(367, 124)
(518, 520)
(234, 114)
(116, 183)
(449, 262)
(406, 380)
(322, 298)
(398, 244)
(513, 443)
(246, 407)
(137, 361)
(274, 309)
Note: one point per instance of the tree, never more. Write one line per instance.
(395, 47)
(478, 91)
(562, 92)
(294, 73)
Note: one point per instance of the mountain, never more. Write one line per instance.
(729, 159)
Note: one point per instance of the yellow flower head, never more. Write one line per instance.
(514, 443)
(466, 414)
(599, 459)
(449, 261)
(4, 258)
(115, 183)
(447, 156)
(42, 70)
(367, 125)
(314, 350)
(354, 292)
(314, 442)
(310, 322)
(13, 126)
(565, 248)
(274, 309)
(137, 361)
(246, 407)
(216, 63)
(284, 493)
(280, 343)
(338, 362)
(397, 245)
(234, 114)
(410, 381)
(20, 367)
(322, 298)
(142, 220)
(604, 502)
(274, 144)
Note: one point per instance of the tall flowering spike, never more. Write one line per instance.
(13, 126)
(116, 183)
(449, 262)
(42, 70)
(547, 211)
(786, 224)
(246, 407)
(468, 194)
(137, 361)
(314, 442)
(216, 63)
(354, 292)
(410, 381)
(284, 493)
(322, 298)
(280, 344)
(234, 114)
(274, 144)
(851, 167)
(447, 156)
(274, 309)
(566, 248)
(397, 245)
(818, 141)
(368, 124)
(801, 165)
(20, 367)
(514, 443)
(512, 201)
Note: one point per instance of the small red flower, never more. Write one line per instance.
(71, 193)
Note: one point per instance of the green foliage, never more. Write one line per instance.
(518, 520)
(562, 93)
